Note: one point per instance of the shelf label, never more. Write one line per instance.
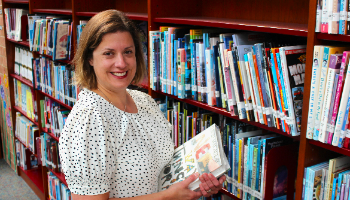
(330, 128)
(187, 87)
(194, 88)
(224, 97)
(217, 93)
(348, 133)
(343, 15)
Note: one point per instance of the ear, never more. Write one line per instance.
(91, 61)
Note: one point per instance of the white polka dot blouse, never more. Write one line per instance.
(104, 149)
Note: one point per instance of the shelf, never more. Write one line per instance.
(333, 37)
(132, 16)
(16, 1)
(35, 176)
(54, 11)
(23, 43)
(229, 194)
(222, 111)
(50, 134)
(248, 25)
(54, 99)
(25, 145)
(50, 57)
(59, 175)
(16, 108)
(23, 80)
(343, 151)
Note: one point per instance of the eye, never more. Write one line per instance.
(128, 52)
(108, 53)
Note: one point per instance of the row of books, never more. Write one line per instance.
(16, 23)
(55, 79)
(245, 146)
(254, 81)
(327, 180)
(23, 63)
(53, 116)
(332, 17)
(51, 35)
(26, 131)
(25, 99)
(329, 103)
(49, 152)
(25, 159)
(57, 189)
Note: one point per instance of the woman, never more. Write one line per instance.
(116, 141)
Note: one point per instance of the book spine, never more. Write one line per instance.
(341, 112)
(335, 17)
(175, 74)
(255, 87)
(258, 81)
(181, 62)
(333, 69)
(222, 85)
(193, 70)
(203, 73)
(343, 16)
(316, 72)
(209, 78)
(329, 137)
(228, 83)
(169, 61)
(188, 92)
(236, 85)
(152, 58)
(218, 80)
(282, 92)
(198, 64)
(318, 16)
(250, 84)
(321, 93)
(330, 8)
(345, 60)
(347, 27)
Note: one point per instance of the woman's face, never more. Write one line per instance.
(114, 61)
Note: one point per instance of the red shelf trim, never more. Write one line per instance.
(23, 80)
(60, 176)
(54, 11)
(51, 134)
(50, 57)
(16, 1)
(343, 151)
(35, 176)
(23, 43)
(24, 114)
(248, 25)
(132, 16)
(222, 111)
(229, 194)
(333, 37)
(56, 100)
(25, 145)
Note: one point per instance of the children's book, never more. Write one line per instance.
(203, 153)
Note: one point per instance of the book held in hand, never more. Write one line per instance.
(203, 153)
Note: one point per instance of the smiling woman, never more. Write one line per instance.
(116, 141)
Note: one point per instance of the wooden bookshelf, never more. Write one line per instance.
(23, 80)
(23, 43)
(247, 25)
(53, 11)
(54, 99)
(285, 18)
(60, 176)
(25, 145)
(16, 108)
(34, 179)
(229, 194)
(50, 57)
(50, 134)
(223, 112)
(17, 1)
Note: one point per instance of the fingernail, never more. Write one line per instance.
(196, 174)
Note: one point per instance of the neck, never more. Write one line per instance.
(116, 97)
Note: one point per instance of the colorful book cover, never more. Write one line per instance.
(293, 65)
(318, 16)
(343, 16)
(60, 40)
(251, 91)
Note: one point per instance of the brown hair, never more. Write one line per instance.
(109, 21)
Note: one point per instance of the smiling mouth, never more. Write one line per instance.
(119, 74)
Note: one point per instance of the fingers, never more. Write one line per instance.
(204, 191)
(190, 179)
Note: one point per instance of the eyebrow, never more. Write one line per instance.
(124, 48)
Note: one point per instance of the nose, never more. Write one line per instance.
(120, 61)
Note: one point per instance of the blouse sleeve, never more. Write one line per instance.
(87, 158)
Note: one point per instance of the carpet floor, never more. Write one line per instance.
(12, 186)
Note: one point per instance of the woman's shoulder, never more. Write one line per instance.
(140, 97)
(87, 100)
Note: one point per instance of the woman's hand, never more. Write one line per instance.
(210, 185)
(180, 190)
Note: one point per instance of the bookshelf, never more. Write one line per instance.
(288, 18)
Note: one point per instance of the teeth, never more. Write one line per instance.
(119, 74)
